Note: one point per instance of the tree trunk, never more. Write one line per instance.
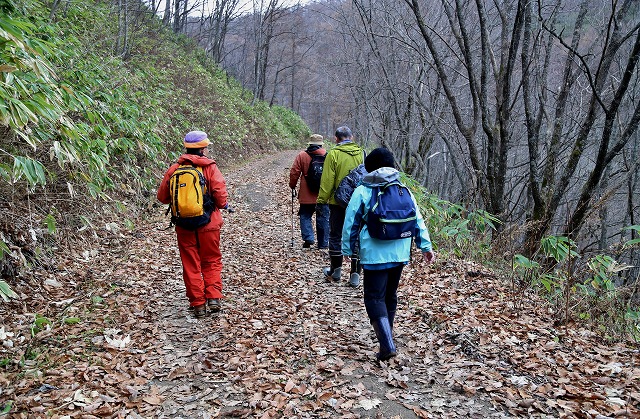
(167, 13)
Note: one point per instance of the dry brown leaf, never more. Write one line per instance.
(290, 385)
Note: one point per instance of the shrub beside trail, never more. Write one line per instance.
(85, 133)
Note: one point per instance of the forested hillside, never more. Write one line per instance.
(92, 105)
(527, 109)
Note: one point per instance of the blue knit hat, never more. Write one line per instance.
(196, 139)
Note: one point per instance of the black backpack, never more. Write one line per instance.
(349, 183)
(314, 173)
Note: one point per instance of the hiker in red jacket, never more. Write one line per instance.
(307, 195)
(200, 248)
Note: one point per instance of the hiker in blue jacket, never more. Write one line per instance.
(382, 260)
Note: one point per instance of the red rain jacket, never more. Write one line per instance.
(299, 170)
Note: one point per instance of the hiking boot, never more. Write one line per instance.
(307, 244)
(214, 305)
(333, 272)
(332, 275)
(391, 315)
(354, 280)
(200, 311)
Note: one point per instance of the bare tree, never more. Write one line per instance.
(166, 18)
(132, 16)
(605, 127)
(122, 40)
(266, 14)
(215, 26)
(54, 8)
(491, 111)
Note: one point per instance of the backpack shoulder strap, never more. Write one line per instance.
(206, 181)
(304, 174)
(376, 192)
(373, 202)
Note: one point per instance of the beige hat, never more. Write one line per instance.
(315, 139)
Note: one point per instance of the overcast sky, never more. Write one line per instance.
(248, 4)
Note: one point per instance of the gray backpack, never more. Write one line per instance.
(348, 184)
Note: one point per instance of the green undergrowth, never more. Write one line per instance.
(85, 133)
(587, 288)
(454, 228)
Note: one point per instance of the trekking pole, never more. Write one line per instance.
(293, 195)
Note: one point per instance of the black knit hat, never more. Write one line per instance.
(379, 157)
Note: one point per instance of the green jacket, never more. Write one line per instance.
(339, 162)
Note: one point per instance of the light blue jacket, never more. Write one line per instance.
(374, 251)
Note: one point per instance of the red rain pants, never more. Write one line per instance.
(201, 264)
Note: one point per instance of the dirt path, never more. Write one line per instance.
(287, 343)
(122, 343)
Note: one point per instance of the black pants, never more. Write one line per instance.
(380, 292)
(336, 221)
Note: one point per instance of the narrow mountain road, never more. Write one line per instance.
(113, 337)
(286, 343)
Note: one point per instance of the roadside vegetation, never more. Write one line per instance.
(589, 288)
(84, 131)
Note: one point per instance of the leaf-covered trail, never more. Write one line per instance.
(287, 344)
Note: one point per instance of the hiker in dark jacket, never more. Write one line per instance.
(340, 160)
(307, 197)
(200, 249)
(382, 260)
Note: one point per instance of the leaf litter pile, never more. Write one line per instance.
(107, 333)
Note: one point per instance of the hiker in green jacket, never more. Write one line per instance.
(340, 160)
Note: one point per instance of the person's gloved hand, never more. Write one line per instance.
(294, 193)
(429, 257)
(228, 208)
